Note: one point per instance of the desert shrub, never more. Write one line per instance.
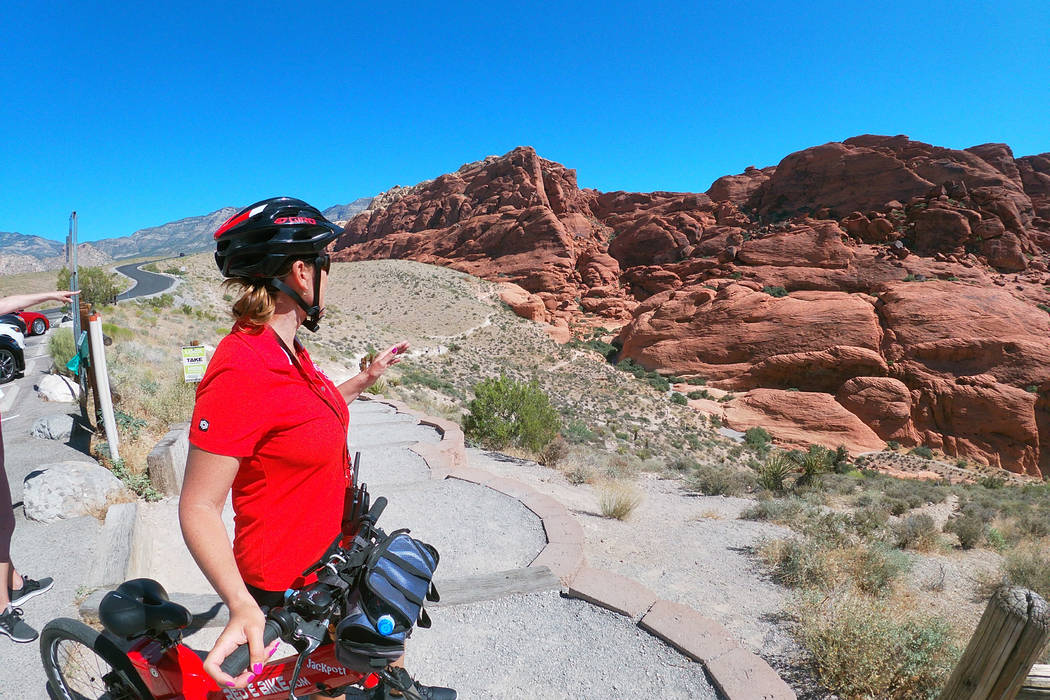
(712, 480)
(797, 562)
(893, 445)
(379, 387)
(757, 438)
(921, 451)
(618, 500)
(659, 383)
(1033, 524)
(553, 453)
(683, 464)
(96, 285)
(773, 472)
(991, 481)
(775, 291)
(112, 330)
(917, 531)
(579, 474)
(816, 460)
(577, 433)
(700, 394)
(505, 411)
(679, 399)
(862, 649)
(968, 527)
(877, 566)
(1028, 566)
(783, 511)
(61, 348)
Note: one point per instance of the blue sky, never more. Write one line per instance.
(139, 115)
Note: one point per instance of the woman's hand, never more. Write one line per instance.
(386, 360)
(246, 625)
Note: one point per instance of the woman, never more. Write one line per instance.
(16, 589)
(270, 426)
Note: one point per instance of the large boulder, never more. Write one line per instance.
(802, 418)
(58, 426)
(55, 387)
(883, 404)
(696, 331)
(71, 489)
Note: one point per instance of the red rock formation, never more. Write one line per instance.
(802, 418)
(842, 228)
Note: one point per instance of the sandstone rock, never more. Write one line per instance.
(883, 404)
(522, 302)
(56, 387)
(814, 245)
(816, 370)
(738, 189)
(71, 489)
(54, 427)
(694, 331)
(802, 418)
(1005, 253)
(655, 259)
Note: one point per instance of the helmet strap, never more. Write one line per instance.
(313, 313)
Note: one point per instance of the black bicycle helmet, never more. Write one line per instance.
(259, 240)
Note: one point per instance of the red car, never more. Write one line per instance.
(36, 324)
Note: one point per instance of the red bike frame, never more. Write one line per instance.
(177, 673)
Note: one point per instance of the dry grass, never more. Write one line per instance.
(618, 499)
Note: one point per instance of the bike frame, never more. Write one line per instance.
(177, 673)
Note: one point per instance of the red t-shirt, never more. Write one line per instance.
(288, 426)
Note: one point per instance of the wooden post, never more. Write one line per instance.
(1011, 635)
(1037, 685)
(87, 378)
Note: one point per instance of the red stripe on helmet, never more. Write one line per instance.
(231, 222)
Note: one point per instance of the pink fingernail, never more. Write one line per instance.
(257, 668)
(272, 651)
(251, 677)
(393, 350)
(230, 684)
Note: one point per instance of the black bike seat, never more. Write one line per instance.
(141, 606)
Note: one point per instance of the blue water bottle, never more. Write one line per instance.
(385, 625)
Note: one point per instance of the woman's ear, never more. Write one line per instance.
(301, 276)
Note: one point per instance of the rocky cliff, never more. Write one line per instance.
(857, 292)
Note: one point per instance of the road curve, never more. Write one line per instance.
(146, 283)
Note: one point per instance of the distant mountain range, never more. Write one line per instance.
(23, 253)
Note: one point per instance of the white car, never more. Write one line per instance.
(12, 352)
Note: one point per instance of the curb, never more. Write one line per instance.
(737, 673)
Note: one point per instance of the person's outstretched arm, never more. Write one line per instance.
(15, 302)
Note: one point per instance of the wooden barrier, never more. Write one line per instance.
(1037, 685)
(1011, 635)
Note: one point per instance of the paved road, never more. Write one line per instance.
(146, 283)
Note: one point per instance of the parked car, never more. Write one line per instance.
(16, 322)
(35, 322)
(12, 351)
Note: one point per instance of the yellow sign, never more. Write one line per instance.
(194, 360)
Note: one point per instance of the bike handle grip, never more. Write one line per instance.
(237, 662)
(377, 509)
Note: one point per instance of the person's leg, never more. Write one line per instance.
(11, 624)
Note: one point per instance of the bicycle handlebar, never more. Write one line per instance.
(237, 662)
(376, 510)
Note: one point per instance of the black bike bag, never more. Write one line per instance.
(386, 602)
